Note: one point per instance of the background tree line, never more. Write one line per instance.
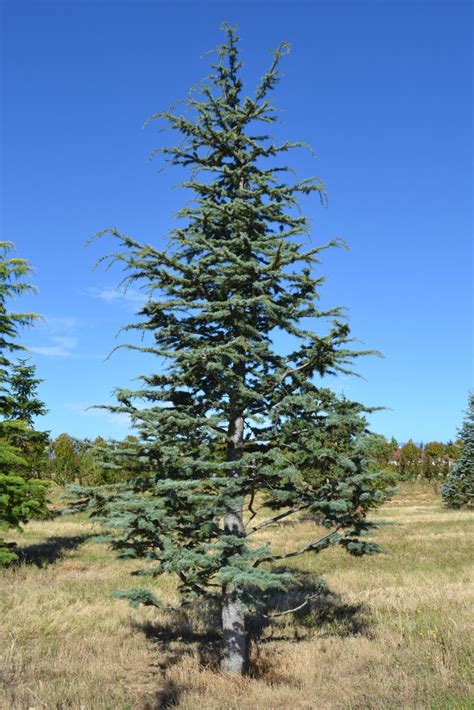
(67, 459)
(408, 461)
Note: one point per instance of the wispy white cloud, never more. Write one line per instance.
(86, 409)
(58, 346)
(129, 298)
(60, 324)
(56, 336)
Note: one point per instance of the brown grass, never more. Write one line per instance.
(389, 631)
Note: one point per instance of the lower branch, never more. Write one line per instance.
(316, 545)
(276, 518)
(296, 608)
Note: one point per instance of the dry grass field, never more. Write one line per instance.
(389, 631)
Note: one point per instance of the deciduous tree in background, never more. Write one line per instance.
(435, 460)
(454, 449)
(65, 464)
(93, 462)
(237, 434)
(410, 460)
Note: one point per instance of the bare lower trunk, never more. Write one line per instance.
(234, 641)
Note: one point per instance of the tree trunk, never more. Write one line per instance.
(234, 641)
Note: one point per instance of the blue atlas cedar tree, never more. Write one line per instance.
(458, 491)
(22, 497)
(237, 436)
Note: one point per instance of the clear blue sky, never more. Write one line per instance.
(381, 90)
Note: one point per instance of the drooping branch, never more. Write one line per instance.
(250, 507)
(315, 545)
(277, 518)
(295, 609)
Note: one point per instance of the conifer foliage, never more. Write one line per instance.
(458, 491)
(22, 496)
(237, 435)
(22, 405)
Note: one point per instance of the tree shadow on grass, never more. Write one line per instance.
(45, 553)
(186, 632)
(317, 610)
(196, 631)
